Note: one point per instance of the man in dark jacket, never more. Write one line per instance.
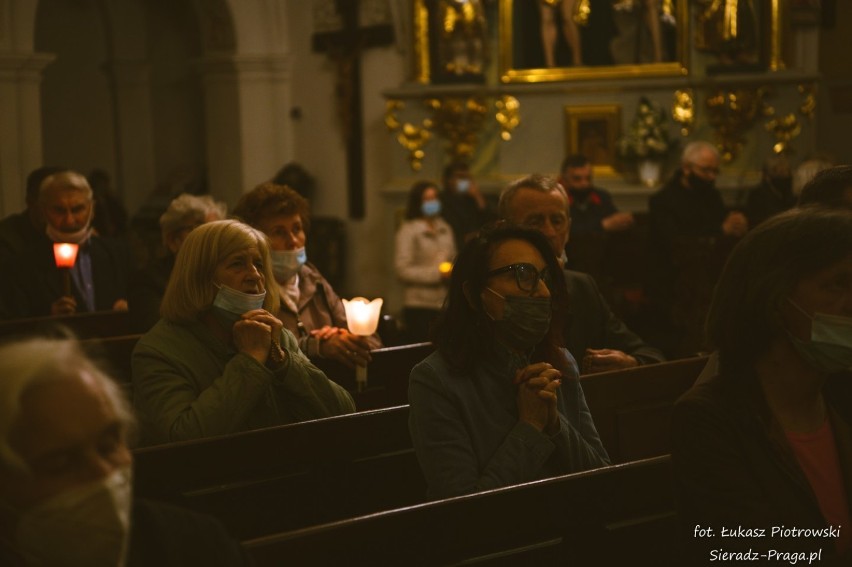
(98, 279)
(593, 334)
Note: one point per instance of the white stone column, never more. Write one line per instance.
(134, 149)
(20, 125)
(247, 102)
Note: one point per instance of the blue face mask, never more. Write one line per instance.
(830, 347)
(285, 263)
(462, 185)
(230, 304)
(431, 208)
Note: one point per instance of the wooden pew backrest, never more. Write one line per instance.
(632, 408)
(83, 325)
(289, 476)
(609, 516)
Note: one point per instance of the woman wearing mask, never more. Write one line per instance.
(309, 307)
(767, 442)
(424, 248)
(500, 402)
(219, 361)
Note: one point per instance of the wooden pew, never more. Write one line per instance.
(618, 515)
(632, 408)
(83, 325)
(113, 355)
(287, 477)
(297, 475)
(387, 375)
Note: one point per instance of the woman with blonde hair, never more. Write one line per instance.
(218, 361)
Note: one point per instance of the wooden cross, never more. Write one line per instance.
(345, 47)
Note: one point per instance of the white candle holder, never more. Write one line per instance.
(362, 317)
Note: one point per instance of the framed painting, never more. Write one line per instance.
(593, 131)
(557, 40)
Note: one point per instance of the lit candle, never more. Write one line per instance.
(65, 254)
(362, 316)
(445, 268)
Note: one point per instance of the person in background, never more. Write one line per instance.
(66, 496)
(767, 441)
(424, 249)
(500, 401)
(806, 171)
(592, 209)
(830, 187)
(309, 308)
(592, 333)
(775, 192)
(146, 287)
(690, 233)
(99, 276)
(18, 230)
(463, 205)
(219, 361)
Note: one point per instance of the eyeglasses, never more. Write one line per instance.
(526, 275)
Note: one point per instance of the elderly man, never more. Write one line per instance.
(19, 229)
(147, 286)
(593, 334)
(98, 278)
(690, 234)
(65, 473)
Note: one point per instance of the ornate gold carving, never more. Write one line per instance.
(776, 55)
(421, 42)
(456, 119)
(731, 113)
(809, 103)
(409, 136)
(785, 129)
(508, 115)
(683, 110)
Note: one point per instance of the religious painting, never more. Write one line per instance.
(556, 40)
(593, 131)
(451, 41)
(743, 35)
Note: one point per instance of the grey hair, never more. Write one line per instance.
(199, 208)
(65, 180)
(693, 149)
(27, 363)
(537, 182)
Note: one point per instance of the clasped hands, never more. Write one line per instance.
(255, 333)
(339, 344)
(538, 386)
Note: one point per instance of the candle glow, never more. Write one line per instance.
(65, 254)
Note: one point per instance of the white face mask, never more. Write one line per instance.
(830, 347)
(78, 237)
(83, 527)
(285, 263)
(230, 303)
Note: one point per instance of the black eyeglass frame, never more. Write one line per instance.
(543, 275)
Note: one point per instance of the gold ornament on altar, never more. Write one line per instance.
(731, 113)
(409, 136)
(785, 128)
(456, 119)
(683, 110)
(729, 29)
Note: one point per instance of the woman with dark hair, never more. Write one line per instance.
(767, 442)
(424, 245)
(500, 402)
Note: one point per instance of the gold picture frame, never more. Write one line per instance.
(593, 131)
(519, 63)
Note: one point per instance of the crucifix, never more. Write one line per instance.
(344, 46)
